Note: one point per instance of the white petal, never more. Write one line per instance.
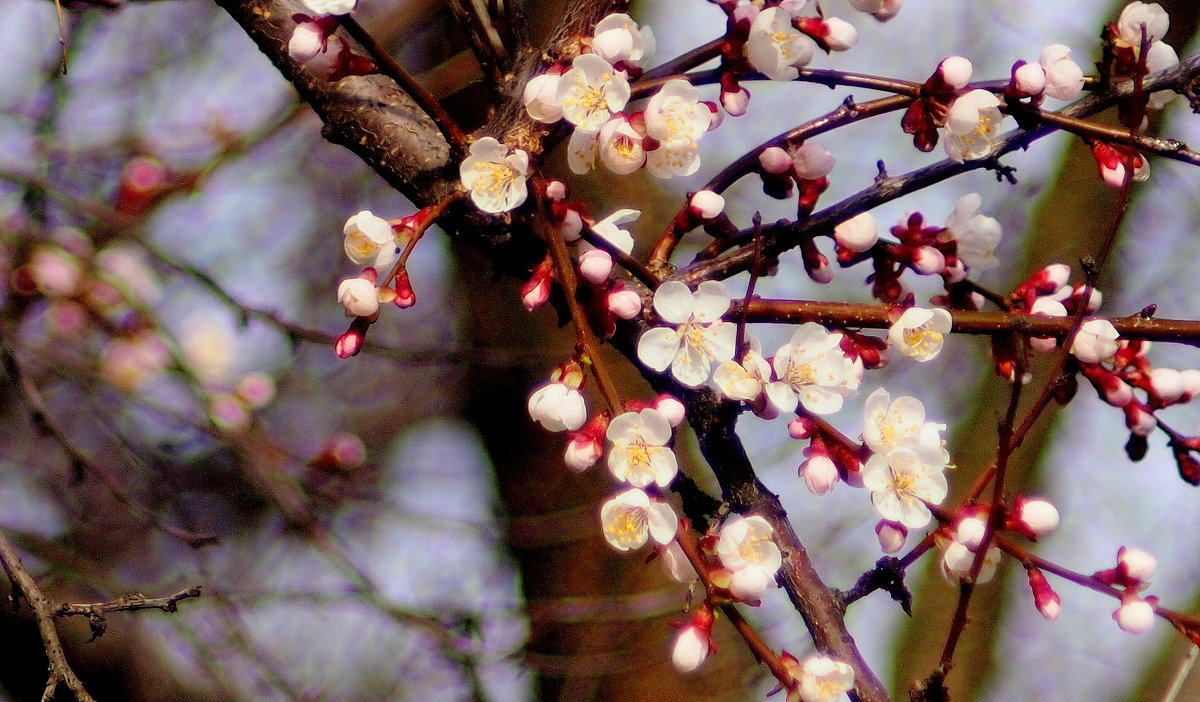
(710, 301)
(658, 347)
(673, 302)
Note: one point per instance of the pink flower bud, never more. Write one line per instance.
(595, 265)
(1134, 616)
(536, 290)
(308, 40)
(1028, 79)
(820, 474)
(692, 645)
(858, 233)
(891, 535)
(624, 303)
(775, 160)
(955, 71)
(671, 408)
(350, 343)
(571, 226)
(1167, 383)
(256, 389)
(1191, 382)
(812, 161)
(582, 452)
(800, 428)
(1036, 517)
(970, 532)
(556, 191)
(889, 10)
(1136, 564)
(736, 102)
(1044, 597)
(927, 260)
(1138, 419)
(839, 35)
(405, 295)
(340, 453)
(706, 204)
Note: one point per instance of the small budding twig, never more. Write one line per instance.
(131, 602)
(565, 272)
(60, 672)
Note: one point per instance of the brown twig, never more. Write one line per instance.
(60, 672)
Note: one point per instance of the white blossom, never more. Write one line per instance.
(541, 97)
(825, 679)
(495, 176)
(639, 454)
(743, 381)
(977, 235)
(1096, 341)
(775, 48)
(370, 240)
(1134, 616)
(972, 124)
(919, 332)
(698, 337)
(558, 406)
(618, 39)
(677, 119)
(812, 370)
(359, 297)
(1064, 77)
(631, 518)
(902, 483)
(858, 233)
(747, 548)
(591, 91)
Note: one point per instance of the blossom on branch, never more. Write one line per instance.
(699, 337)
(747, 548)
(632, 517)
(972, 125)
(902, 482)
(558, 405)
(1096, 341)
(370, 240)
(619, 40)
(675, 119)
(975, 235)
(812, 370)
(639, 454)
(495, 176)
(823, 679)
(591, 92)
(919, 332)
(775, 48)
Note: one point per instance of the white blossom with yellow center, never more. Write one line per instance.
(370, 240)
(495, 176)
(639, 454)
(747, 548)
(823, 679)
(591, 92)
(676, 119)
(919, 332)
(891, 424)
(631, 518)
(812, 370)
(775, 48)
(698, 338)
(903, 481)
(972, 124)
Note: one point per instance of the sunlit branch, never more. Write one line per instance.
(875, 316)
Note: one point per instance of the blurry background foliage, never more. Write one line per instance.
(391, 527)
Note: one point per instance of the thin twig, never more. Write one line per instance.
(60, 670)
